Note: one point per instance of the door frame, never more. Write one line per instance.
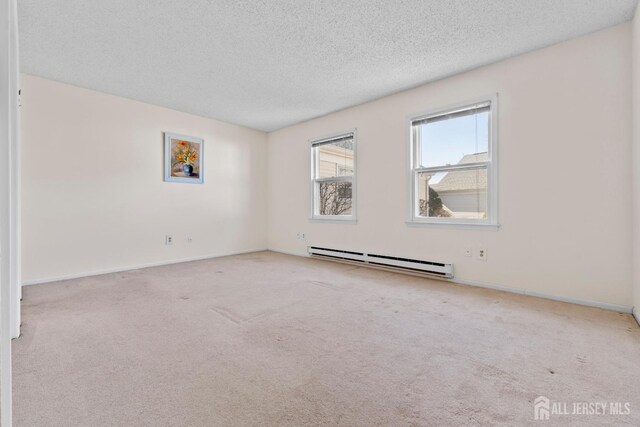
(10, 289)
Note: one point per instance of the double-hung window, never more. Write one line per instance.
(333, 177)
(453, 166)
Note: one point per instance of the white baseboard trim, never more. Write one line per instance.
(479, 284)
(133, 267)
(570, 300)
(636, 314)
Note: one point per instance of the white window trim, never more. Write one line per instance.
(491, 222)
(339, 219)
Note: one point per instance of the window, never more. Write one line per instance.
(333, 177)
(453, 170)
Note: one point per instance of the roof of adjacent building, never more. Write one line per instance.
(464, 180)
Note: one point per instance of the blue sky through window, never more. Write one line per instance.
(446, 142)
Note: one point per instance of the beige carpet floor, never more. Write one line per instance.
(267, 339)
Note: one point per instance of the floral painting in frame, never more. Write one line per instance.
(183, 158)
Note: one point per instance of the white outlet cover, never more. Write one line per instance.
(481, 254)
(468, 252)
(168, 240)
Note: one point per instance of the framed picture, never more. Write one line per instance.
(183, 158)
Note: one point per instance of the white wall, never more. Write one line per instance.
(565, 175)
(635, 159)
(93, 192)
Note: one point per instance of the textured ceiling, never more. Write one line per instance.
(269, 64)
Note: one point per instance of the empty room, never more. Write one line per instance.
(309, 213)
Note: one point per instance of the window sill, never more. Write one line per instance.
(454, 225)
(334, 220)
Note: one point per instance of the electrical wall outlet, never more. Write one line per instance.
(168, 239)
(301, 236)
(189, 239)
(468, 252)
(481, 254)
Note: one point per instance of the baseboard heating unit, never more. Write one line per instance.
(385, 261)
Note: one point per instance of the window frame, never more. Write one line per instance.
(313, 202)
(491, 221)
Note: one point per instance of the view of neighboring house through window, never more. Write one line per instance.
(332, 178)
(451, 166)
